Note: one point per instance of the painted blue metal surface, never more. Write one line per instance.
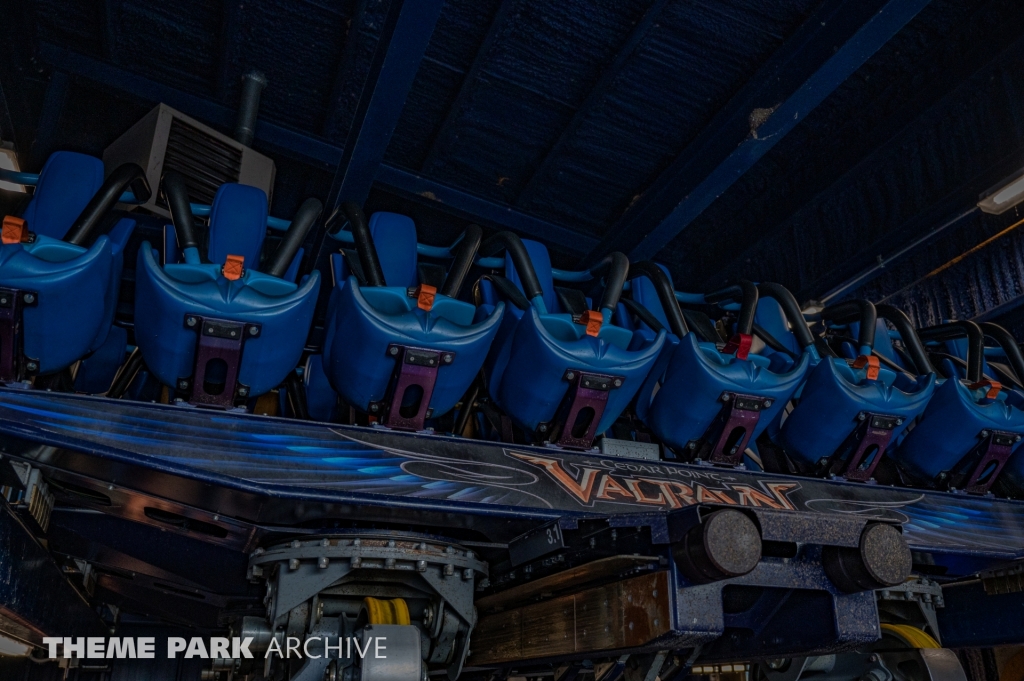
(851, 56)
(385, 473)
(36, 599)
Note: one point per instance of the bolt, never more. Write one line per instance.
(604, 386)
(1017, 439)
(209, 330)
(3, 301)
(32, 366)
(183, 384)
(861, 416)
(617, 383)
(431, 361)
(570, 376)
(449, 570)
(734, 450)
(542, 428)
(356, 562)
(29, 299)
(421, 566)
(323, 562)
(467, 574)
(391, 543)
(984, 433)
(259, 551)
(726, 397)
(447, 357)
(691, 445)
(768, 403)
(393, 351)
(243, 391)
(190, 321)
(254, 330)
(389, 563)
(428, 616)
(899, 422)
(374, 408)
(293, 564)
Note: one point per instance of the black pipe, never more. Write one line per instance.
(364, 244)
(615, 268)
(107, 197)
(520, 258)
(176, 196)
(245, 126)
(468, 247)
(911, 341)
(305, 216)
(862, 311)
(746, 293)
(126, 375)
(1009, 345)
(467, 407)
(666, 295)
(790, 308)
(958, 329)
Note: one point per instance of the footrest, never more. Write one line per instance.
(861, 452)
(218, 349)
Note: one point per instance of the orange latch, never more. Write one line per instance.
(424, 295)
(739, 345)
(592, 320)
(233, 267)
(15, 230)
(869, 361)
(993, 388)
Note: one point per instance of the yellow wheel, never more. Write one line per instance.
(393, 611)
(912, 636)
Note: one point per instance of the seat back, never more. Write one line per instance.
(238, 223)
(66, 185)
(394, 237)
(644, 293)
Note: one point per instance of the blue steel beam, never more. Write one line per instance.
(597, 95)
(288, 142)
(801, 74)
(400, 49)
(459, 203)
(444, 137)
(310, 149)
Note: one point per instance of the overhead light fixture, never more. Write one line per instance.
(1004, 195)
(8, 161)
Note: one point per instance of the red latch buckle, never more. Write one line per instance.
(993, 388)
(593, 321)
(739, 345)
(15, 230)
(871, 363)
(233, 267)
(424, 295)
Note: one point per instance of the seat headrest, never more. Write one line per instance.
(643, 293)
(394, 236)
(238, 223)
(541, 260)
(66, 185)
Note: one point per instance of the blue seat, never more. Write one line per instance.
(713, 402)
(971, 426)
(223, 331)
(851, 411)
(397, 349)
(555, 375)
(58, 293)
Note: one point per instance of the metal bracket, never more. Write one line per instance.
(35, 500)
(413, 367)
(586, 391)
(217, 339)
(727, 437)
(854, 459)
(13, 364)
(978, 470)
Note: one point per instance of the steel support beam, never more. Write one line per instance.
(597, 95)
(458, 202)
(288, 142)
(400, 50)
(443, 139)
(801, 74)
